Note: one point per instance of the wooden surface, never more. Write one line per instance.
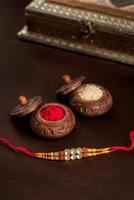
(30, 69)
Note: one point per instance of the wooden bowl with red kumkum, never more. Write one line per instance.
(51, 120)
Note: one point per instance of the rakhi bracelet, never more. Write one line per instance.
(69, 154)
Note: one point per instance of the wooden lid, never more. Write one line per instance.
(26, 106)
(70, 85)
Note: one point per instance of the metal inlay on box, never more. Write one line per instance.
(86, 26)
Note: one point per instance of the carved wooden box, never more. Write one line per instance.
(94, 27)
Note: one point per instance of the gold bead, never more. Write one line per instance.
(56, 154)
(38, 155)
(84, 150)
(56, 158)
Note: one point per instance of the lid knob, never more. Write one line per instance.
(23, 100)
(70, 85)
(67, 79)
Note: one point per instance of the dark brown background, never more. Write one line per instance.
(31, 69)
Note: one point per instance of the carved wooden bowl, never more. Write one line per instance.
(53, 129)
(92, 107)
(87, 99)
(45, 128)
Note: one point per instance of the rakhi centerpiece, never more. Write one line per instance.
(69, 154)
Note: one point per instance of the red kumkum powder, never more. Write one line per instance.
(52, 113)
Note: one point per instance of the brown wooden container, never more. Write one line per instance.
(45, 128)
(88, 107)
(99, 28)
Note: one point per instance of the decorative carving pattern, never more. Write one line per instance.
(53, 129)
(118, 24)
(92, 108)
(89, 49)
(101, 35)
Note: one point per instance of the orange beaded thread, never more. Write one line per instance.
(69, 154)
